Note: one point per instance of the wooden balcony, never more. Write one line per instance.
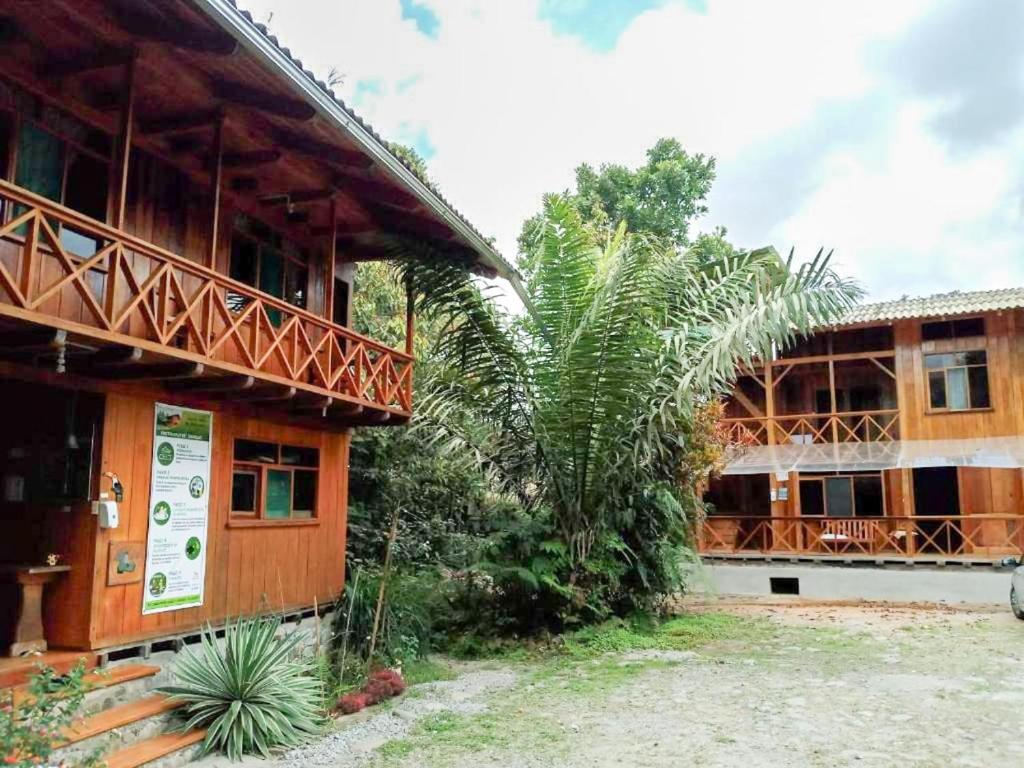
(842, 427)
(981, 537)
(133, 311)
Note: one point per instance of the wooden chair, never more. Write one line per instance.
(840, 535)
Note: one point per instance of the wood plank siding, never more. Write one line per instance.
(822, 391)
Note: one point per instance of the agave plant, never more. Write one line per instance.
(251, 691)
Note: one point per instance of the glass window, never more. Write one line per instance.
(40, 162)
(958, 381)
(274, 482)
(839, 496)
(953, 329)
(243, 492)
(265, 261)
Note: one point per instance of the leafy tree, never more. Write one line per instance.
(660, 198)
(584, 408)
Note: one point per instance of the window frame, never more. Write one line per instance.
(944, 370)
(290, 253)
(851, 478)
(262, 469)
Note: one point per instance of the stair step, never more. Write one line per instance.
(152, 749)
(101, 678)
(119, 716)
(16, 672)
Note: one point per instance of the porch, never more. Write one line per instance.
(130, 311)
(918, 538)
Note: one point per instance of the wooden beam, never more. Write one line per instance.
(747, 403)
(376, 191)
(140, 19)
(297, 217)
(179, 123)
(892, 374)
(411, 224)
(35, 340)
(181, 370)
(332, 255)
(264, 393)
(185, 144)
(114, 356)
(346, 227)
(250, 159)
(87, 61)
(123, 153)
(297, 197)
(233, 383)
(216, 181)
(264, 101)
(322, 150)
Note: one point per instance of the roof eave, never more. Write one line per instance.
(229, 18)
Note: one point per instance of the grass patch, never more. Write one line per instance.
(644, 633)
(426, 671)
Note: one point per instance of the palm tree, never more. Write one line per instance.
(582, 407)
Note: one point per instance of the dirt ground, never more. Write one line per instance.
(799, 685)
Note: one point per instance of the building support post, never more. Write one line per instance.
(119, 170)
(216, 179)
(332, 254)
(410, 317)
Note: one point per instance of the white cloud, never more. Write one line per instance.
(816, 145)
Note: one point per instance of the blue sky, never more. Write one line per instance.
(890, 131)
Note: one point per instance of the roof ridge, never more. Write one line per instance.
(264, 30)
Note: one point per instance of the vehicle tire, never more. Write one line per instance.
(1016, 604)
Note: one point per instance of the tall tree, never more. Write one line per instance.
(660, 198)
(583, 407)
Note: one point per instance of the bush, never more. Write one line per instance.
(252, 692)
(29, 731)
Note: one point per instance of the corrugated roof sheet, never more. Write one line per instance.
(366, 126)
(938, 305)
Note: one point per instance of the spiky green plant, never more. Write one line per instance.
(251, 691)
(582, 406)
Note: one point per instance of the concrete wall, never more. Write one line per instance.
(891, 584)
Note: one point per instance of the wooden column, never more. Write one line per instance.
(123, 151)
(216, 180)
(832, 400)
(332, 255)
(410, 317)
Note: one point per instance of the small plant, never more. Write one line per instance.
(30, 727)
(252, 692)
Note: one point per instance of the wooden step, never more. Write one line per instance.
(16, 672)
(152, 749)
(101, 678)
(115, 717)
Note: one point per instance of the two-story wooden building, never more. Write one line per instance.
(182, 211)
(897, 435)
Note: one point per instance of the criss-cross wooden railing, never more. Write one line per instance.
(912, 536)
(131, 292)
(844, 427)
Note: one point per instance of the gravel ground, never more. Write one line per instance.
(810, 686)
(355, 744)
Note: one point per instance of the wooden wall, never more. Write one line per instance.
(248, 569)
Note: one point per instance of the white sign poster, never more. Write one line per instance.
(179, 505)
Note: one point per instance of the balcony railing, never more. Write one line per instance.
(131, 292)
(907, 537)
(844, 427)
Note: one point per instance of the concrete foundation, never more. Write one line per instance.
(894, 584)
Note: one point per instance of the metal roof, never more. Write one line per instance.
(949, 304)
(240, 22)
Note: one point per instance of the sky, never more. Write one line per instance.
(888, 131)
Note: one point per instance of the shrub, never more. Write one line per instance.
(252, 692)
(28, 732)
(351, 703)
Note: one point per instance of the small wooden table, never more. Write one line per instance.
(29, 636)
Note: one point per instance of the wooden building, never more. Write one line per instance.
(898, 435)
(183, 212)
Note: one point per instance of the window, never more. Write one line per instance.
(953, 329)
(341, 289)
(855, 495)
(264, 260)
(274, 482)
(957, 381)
(73, 173)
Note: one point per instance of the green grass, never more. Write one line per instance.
(644, 633)
(426, 671)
